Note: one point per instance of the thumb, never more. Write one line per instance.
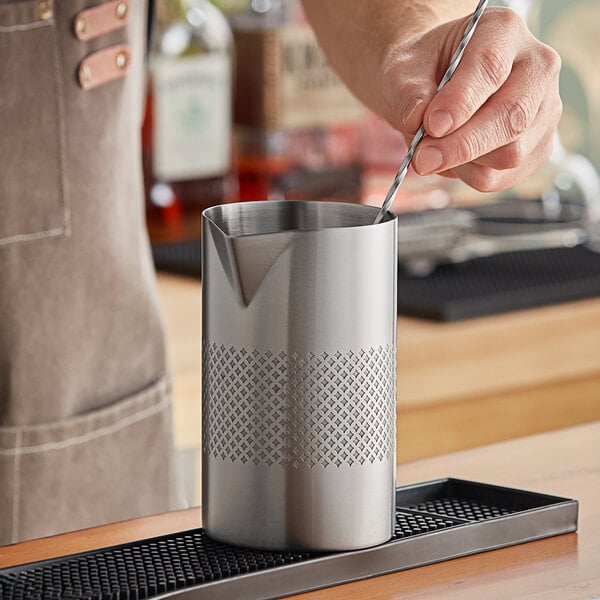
(405, 96)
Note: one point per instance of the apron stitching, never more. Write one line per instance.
(16, 491)
(25, 26)
(22, 237)
(62, 182)
(134, 402)
(60, 106)
(91, 435)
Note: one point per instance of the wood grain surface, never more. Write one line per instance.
(567, 567)
(479, 357)
(442, 427)
(565, 463)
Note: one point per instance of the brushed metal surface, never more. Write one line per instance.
(299, 374)
(299, 508)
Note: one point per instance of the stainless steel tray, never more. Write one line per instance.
(435, 521)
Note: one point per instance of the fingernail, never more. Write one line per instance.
(428, 160)
(411, 109)
(440, 123)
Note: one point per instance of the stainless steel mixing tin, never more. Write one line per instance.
(298, 396)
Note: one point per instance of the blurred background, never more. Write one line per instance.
(498, 311)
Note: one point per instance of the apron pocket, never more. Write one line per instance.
(33, 194)
(107, 465)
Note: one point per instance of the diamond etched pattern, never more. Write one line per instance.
(299, 410)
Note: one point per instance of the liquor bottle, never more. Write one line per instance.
(187, 130)
(297, 126)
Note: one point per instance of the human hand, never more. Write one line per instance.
(493, 123)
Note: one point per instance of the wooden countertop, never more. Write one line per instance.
(565, 463)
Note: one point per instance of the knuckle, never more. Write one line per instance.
(512, 156)
(399, 103)
(467, 149)
(506, 17)
(486, 179)
(505, 20)
(551, 61)
(519, 117)
(495, 66)
(406, 105)
(403, 96)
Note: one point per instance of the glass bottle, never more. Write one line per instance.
(296, 123)
(187, 130)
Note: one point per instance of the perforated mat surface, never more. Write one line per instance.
(149, 568)
(433, 521)
(181, 258)
(501, 283)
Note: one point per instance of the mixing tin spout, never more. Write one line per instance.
(247, 259)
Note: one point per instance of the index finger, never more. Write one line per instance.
(486, 65)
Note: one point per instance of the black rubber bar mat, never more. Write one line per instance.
(435, 521)
(501, 283)
(181, 258)
(480, 287)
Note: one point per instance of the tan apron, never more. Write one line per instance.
(85, 417)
